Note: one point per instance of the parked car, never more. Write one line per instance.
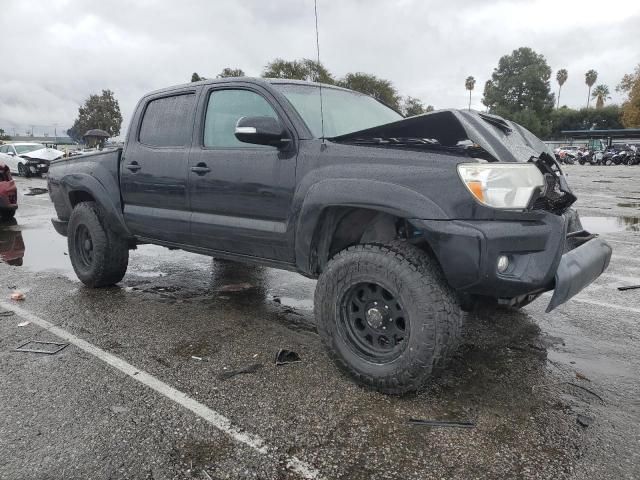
(404, 221)
(8, 194)
(27, 158)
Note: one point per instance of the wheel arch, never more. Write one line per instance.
(342, 212)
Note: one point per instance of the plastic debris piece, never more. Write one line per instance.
(196, 358)
(253, 368)
(584, 421)
(18, 296)
(284, 357)
(630, 287)
(7, 313)
(580, 376)
(441, 423)
(23, 324)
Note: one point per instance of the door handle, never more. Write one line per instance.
(133, 166)
(200, 168)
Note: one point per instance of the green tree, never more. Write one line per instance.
(590, 78)
(3, 136)
(630, 85)
(429, 108)
(231, 72)
(520, 89)
(99, 111)
(561, 77)
(469, 84)
(304, 69)
(584, 119)
(378, 88)
(412, 106)
(196, 78)
(600, 93)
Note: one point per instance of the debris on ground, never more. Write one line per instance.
(580, 376)
(253, 368)
(18, 296)
(194, 357)
(235, 287)
(441, 423)
(37, 346)
(277, 299)
(284, 357)
(6, 313)
(630, 287)
(23, 324)
(35, 191)
(584, 421)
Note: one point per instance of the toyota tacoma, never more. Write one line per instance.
(406, 222)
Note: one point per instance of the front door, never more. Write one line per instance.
(153, 172)
(240, 193)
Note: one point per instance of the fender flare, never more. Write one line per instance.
(375, 195)
(106, 196)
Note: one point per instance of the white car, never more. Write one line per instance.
(28, 158)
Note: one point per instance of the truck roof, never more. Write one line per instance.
(256, 80)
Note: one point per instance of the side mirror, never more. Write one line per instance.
(11, 154)
(261, 131)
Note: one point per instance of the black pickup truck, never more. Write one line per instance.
(406, 222)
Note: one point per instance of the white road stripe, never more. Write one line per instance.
(219, 421)
(604, 304)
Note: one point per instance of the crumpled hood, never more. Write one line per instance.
(502, 139)
(44, 154)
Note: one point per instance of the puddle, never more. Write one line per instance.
(611, 224)
(629, 205)
(35, 249)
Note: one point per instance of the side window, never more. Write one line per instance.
(4, 149)
(224, 109)
(168, 121)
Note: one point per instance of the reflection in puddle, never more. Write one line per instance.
(36, 249)
(611, 224)
(11, 244)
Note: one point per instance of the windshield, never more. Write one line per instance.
(344, 111)
(28, 148)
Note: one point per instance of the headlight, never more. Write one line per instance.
(501, 185)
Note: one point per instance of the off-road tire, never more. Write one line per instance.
(107, 263)
(434, 316)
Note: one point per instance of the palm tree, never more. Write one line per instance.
(590, 78)
(600, 93)
(469, 83)
(561, 77)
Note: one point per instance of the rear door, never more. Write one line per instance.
(241, 193)
(153, 171)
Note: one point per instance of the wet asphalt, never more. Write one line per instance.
(550, 395)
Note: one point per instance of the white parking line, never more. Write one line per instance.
(219, 421)
(606, 305)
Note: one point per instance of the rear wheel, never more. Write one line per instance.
(98, 255)
(386, 315)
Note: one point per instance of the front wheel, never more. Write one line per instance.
(98, 255)
(23, 171)
(386, 315)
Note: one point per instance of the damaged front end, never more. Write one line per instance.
(552, 252)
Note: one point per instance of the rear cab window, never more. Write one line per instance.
(168, 121)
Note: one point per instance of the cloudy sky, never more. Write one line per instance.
(56, 52)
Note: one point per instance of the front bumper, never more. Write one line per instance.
(8, 195)
(37, 167)
(541, 256)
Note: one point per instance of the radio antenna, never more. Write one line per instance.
(315, 7)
